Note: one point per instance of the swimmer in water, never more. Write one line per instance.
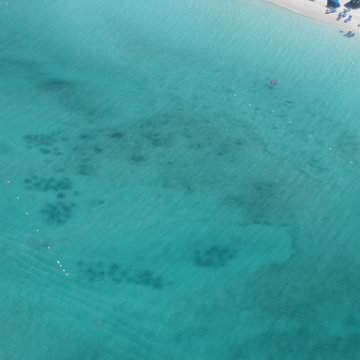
(273, 82)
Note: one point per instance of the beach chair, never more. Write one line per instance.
(348, 19)
(350, 34)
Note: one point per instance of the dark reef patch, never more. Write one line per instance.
(86, 137)
(137, 158)
(45, 143)
(84, 168)
(44, 151)
(98, 271)
(48, 184)
(116, 135)
(61, 195)
(147, 278)
(97, 149)
(39, 140)
(214, 257)
(57, 212)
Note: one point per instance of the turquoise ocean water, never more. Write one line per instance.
(159, 200)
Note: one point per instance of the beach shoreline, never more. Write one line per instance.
(317, 10)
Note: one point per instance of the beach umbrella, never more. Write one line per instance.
(333, 3)
(355, 3)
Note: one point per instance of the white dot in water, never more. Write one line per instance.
(67, 274)
(8, 181)
(26, 213)
(330, 148)
(18, 198)
(63, 270)
(37, 230)
(58, 261)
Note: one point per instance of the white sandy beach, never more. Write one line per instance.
(317, 10)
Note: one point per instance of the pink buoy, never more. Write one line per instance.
(273, 82)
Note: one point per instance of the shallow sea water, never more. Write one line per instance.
(160, 200)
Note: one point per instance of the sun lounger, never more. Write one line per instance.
(348, 19)
(350, 34)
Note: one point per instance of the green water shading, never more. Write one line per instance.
(160, 199)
